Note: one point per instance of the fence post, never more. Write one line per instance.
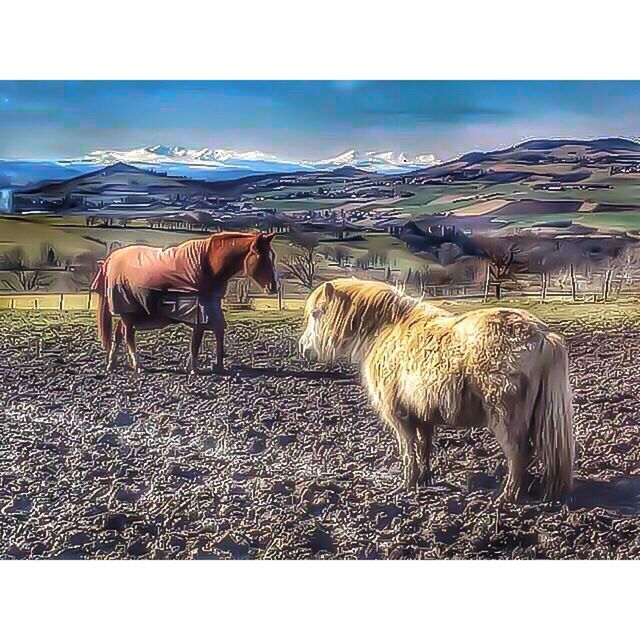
(280, 293)
(486, 283)
(574, 285)
(61, 298)
(607, 284)
(545, 281)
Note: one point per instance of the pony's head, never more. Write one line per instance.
(259, 264)
(341, 317)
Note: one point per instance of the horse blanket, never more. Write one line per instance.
(173, 282)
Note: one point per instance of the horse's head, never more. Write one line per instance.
(341, 317)
(259, 265)
(317, 340)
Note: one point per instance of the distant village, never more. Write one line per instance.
(118, 194)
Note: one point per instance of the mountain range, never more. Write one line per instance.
(387, 162)
(538, 160)
(206, 163)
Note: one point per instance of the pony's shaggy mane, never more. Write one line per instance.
(358, 310)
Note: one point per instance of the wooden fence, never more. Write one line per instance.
(88, 301)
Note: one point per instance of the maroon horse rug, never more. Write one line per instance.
(150, 288)
(173, 282)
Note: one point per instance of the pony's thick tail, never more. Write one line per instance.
(553, 419)
(104, 317)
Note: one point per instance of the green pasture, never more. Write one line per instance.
(621, 311)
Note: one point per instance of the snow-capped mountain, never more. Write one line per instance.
(162, 154)
(380, 161)
(387, 162)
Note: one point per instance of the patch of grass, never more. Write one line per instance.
(619, 311)
(624, 310)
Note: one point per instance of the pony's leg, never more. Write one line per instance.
(406, 434)
(513, 437)
(129, 336)
(385, 400)
(423, 445)
(115, 345)
(196, 342)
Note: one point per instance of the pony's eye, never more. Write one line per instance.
(316, 313)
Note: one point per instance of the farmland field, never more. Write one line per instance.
(281, 459)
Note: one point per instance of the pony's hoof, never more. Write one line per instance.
(511, 495)
(410, 485)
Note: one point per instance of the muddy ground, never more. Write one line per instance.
(279, 459)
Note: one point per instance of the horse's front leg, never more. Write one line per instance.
(129, 337)
(196, 341)
(219, 333)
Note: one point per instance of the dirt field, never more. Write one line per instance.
(277, 459)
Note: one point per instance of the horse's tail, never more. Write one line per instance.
(104, 317)
(552, 420)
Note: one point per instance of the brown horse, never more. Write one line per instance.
(151, 288)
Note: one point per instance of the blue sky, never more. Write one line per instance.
(307, 120)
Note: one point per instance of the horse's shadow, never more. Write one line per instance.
(620, 495)
(242, 372)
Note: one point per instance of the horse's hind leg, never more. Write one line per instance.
(196, 342)
(129, 337)
(513, 437)
(115, 345)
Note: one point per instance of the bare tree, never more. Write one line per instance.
(501, 267)
(27, 280)
(628, 264)
(84, 271)
(423, 278)
(13, 259)
(303, 264)
(339, 254)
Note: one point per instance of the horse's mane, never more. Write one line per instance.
(358, 310)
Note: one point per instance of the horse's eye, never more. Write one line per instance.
(316, 313)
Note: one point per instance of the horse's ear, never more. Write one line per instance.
(263, 240)
(329, 291)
